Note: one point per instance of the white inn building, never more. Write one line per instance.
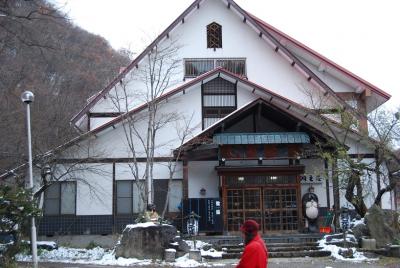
(247, 92)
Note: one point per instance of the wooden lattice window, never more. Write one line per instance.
(214, 35)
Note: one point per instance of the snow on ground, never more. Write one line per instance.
(100, 256)
(358, 256)
(96, 255)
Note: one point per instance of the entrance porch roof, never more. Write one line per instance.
(261, 138)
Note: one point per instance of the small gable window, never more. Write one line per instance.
(214, 35)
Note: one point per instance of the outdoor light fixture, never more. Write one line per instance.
(297, 161)
(203, 191)
(260, 159)
(46, 173)
(274, 177)
(222, 162)
(27, 97)
(240, 179)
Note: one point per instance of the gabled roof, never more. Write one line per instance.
(264, 30)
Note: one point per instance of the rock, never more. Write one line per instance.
(207, 247)
(394, 251)
(383, 225)
(169, 255)
(145, 241)
(180, 246)
(368, 243)
(360, 230)
(195, 255)
(347, 253)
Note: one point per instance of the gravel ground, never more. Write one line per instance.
(273, 263)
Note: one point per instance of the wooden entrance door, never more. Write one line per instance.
(275, 209)
(280, 209)
(243, 204)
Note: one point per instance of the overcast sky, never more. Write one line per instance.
(360, 35)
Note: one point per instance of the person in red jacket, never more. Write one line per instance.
(255, 254)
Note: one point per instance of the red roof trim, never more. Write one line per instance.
(321, 57)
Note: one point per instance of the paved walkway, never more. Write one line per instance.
(273, 263)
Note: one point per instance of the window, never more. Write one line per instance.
(196, 67)
(60, 198)
(214, 35)
(129, 200)
(124, 197)
(219, 100)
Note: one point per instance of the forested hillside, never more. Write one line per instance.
(42, 51)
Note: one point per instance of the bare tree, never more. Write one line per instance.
(344, 124)
(145, 86)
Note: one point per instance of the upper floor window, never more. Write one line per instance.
(196, 67)
(214, 35)
(218, 100)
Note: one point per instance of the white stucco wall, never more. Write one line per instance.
(202, 174)
(264, 66)
(316, 167)
(123, 171)
(94, 190)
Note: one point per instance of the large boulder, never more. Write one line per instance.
(145, 241)
(383, 225)
(360, 230)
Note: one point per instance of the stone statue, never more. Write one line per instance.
(310, 210)
(151, 214)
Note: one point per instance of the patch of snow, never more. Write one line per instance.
(199, 244)
(47, 243)
(358, 256)
(140, 225)
(143, 225)
(170, 250)
(184, 261)
(355, 222)
(212, 253)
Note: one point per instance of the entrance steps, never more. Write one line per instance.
(279, 246)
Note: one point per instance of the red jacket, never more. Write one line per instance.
(255, 254)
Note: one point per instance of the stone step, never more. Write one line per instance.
(271, 245)
(288, 254)
(278, 249)
(293, 238)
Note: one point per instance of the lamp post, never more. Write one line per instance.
(27, 97)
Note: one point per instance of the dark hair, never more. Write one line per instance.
(248, 237)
